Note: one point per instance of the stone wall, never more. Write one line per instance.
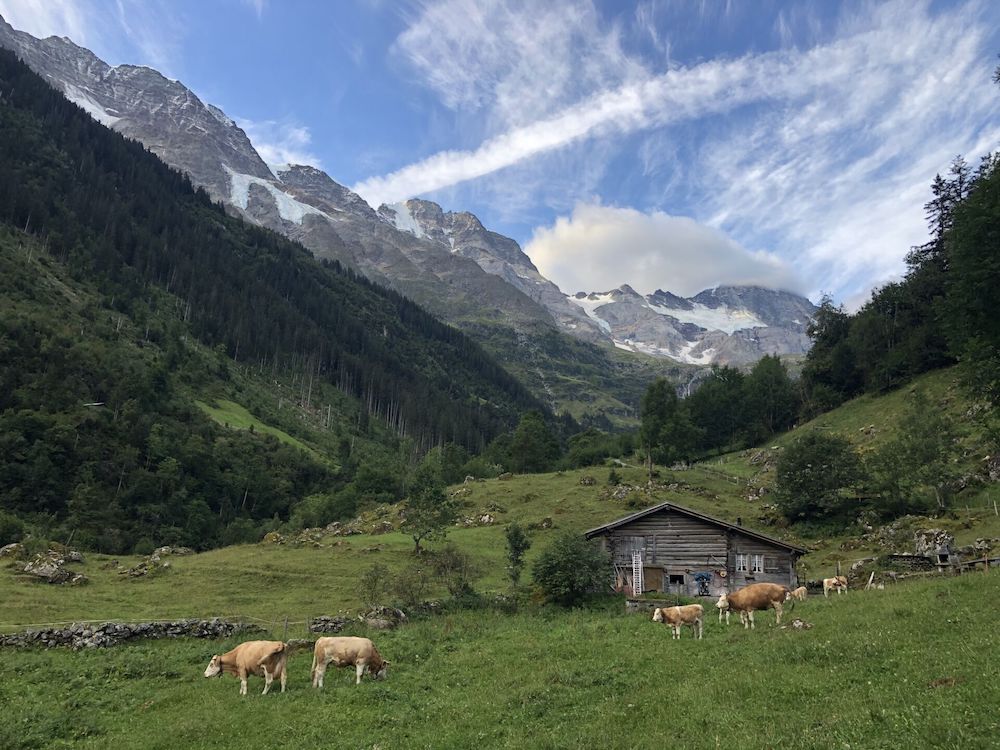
(103, 635)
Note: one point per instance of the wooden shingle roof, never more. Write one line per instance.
(693, 514)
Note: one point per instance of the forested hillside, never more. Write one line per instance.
(127, 294)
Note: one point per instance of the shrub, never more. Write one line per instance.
(570, 567)
(11, 528)
(409, 587)
(373, 585)
(456, 570)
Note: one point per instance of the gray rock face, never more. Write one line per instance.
(446, 261)
(107, 634)
(727, 325)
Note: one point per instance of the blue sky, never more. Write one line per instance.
(662, 143)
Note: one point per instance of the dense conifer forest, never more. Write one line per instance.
(118, 278)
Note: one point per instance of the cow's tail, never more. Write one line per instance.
(312, 674)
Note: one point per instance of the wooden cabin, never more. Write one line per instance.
(676, 550)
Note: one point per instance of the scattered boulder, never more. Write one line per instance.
(505, 476)
(273, 537)
(929, 541)
(383, 618)
(587, 481)
(798, 624)
(15, 551)
(327, 624)
(48, 569)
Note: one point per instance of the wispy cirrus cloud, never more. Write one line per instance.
(43, 18)
(821, 149)
(281, 141)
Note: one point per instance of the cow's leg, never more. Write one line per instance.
(699, 624)
(318, 674)
(727, 617)
(284, 677)
(243, 682)
(360, 670)
(777, 613)
(753, 625)
(268, 679)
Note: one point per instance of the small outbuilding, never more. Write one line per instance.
(676, 550)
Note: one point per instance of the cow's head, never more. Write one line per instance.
(383, 671)
(214, 667)
(657, 615)
(723, 602)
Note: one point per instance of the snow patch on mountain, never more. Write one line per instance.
(590, 305)
(288, 208)
(722, 319)
(403, 220)
(92, 108)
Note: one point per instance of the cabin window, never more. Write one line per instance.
(757, 563)
(741, 562)
(676, 580)
(771, 565)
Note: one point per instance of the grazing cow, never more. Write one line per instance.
(723, 606)
(799, 594)
(344, 652)
(675, 617)
(757, 596)
(264, 658)
(837, 583)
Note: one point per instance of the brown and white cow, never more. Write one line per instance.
(837, 583)
(266, 659)
(346, 651)
(799, 594)
(757, 596)
(723, 606)
(675, 617)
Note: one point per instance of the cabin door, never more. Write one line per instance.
(653, 578)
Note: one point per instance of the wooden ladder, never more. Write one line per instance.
(637, 582)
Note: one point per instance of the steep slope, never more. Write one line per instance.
(727, 325)
(115, 211)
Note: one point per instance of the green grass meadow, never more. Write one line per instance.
(912, 666)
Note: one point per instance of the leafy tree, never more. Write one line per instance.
(830, 374)
(570, 567)
(817, 478)
(771, 399)
(518, 544)
(667, 433)
(716, 407)
(920, 460)
(533, 448)
(429, 511)
(973, 289)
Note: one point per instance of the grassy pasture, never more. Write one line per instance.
(913, 666)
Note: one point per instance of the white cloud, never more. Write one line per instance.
(822, 153)
(43, 18)
(281, 141)
(601, 247)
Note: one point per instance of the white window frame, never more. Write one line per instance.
(742, 562)
(757, 563)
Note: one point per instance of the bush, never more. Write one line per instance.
(409, 587)
(456, 570)
(11, 528)
(569, 568)
(373, 585)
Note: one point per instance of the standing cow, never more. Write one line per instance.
(266, 659)
(689, 614)
(837, 583)
(757, 596)
(346, 651)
